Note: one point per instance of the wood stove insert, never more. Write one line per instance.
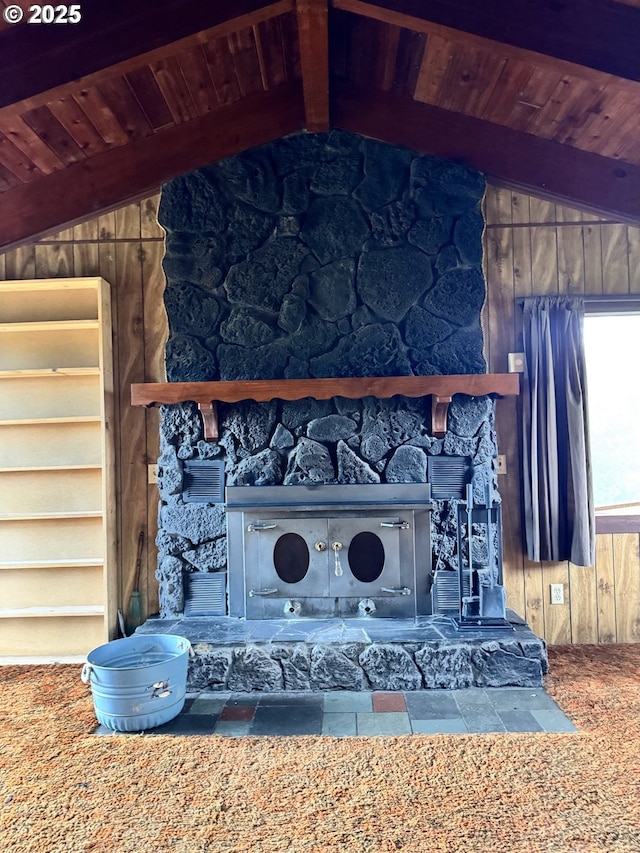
(329, 550)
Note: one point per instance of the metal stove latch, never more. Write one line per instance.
(336, 547)
(400, 525)
(254, 592)
(403, 590)
(260, 525)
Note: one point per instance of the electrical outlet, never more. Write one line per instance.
(152, 473)
(515, 362)
(501, 464)
(557, 593)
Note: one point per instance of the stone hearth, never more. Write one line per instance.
(355, 654)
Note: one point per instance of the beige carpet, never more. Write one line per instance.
(63, 789)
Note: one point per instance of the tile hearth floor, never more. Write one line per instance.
(350, 714)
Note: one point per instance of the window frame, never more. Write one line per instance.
(607, 306)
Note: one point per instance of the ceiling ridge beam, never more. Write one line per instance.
(424, 24)
(22, 89)
(313, 38)
(507, 157)
(100, 183)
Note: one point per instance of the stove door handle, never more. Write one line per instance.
(260, 525)
(403, 590)
(254, 592)
(400, 525)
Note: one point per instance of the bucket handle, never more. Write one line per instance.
(85, 675)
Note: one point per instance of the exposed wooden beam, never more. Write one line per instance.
(313, 36)
(511, 158)
(101, 182)
(35, 59)
(596, 34)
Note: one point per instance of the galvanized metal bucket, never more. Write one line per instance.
(139, 682)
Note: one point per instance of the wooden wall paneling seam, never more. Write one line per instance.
(557, 617)
(505, 100)
(583, 603)
(76, 123)
(534, 597)
(522, 267)
(149, 225)
(86, 258)
(155, 336)
(93, 104)
(271, 52)
(553, 112)
(497, 205)
(570, 260)
(433, 68)
(131, 357)
(109, 461)
(175, 90)
(615, 260)
(127, 222)
(87, 230)
(633, 245)
(123, 103)
(150, 97)
(108, 270)
(626, 562)
(242, 45)
(606, 595)
(21, 262)
(15, 160)
(222, 70)
(8, 180)
(196, 73)
(409, 57)
(29, 143)
(391, 45)
(500, 331)
(592, 242)
(579, 112)
(54, 260)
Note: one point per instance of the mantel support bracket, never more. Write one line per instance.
(209, 414)
(439, 412)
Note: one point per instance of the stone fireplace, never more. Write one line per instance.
(325, 256)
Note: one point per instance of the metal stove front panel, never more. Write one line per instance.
(328, 550)
(310, 566)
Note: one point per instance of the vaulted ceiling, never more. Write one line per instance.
(541, 95)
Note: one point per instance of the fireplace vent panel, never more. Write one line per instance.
(203, 481)
(205, 594)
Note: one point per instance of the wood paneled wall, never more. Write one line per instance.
(125, 248)
(534, 247)
(531, 247)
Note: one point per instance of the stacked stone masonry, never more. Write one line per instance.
(319, 255)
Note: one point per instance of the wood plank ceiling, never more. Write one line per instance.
(542, 95)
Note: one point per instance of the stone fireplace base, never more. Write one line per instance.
(279, 655)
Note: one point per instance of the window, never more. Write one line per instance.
(612, 347)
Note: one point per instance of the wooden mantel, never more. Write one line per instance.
(440, 388)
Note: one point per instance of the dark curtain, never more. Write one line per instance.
(558, 493)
